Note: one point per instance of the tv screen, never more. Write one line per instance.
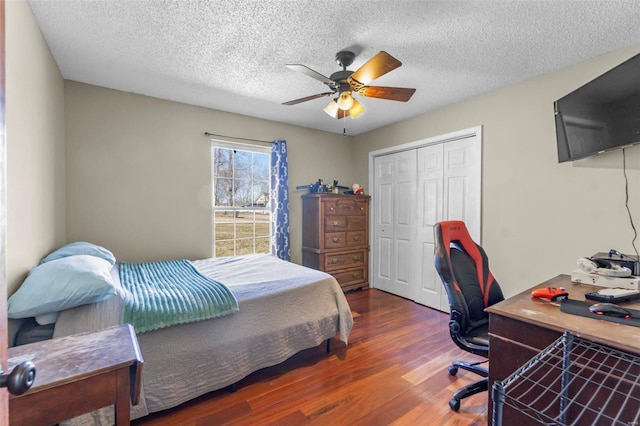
(603, 114)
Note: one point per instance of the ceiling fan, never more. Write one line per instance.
(345, 83)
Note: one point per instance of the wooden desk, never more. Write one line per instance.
(78, 374)
(521, 326)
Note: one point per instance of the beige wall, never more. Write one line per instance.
(538, 216)
(138, 171)
(35, 145)
(137, 168)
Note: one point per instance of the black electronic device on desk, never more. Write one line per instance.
(614, 257)
(609, 310)
(610, 313)
(613, 295)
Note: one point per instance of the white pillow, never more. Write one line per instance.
(62, 284)
(80, 247)
(45, 319)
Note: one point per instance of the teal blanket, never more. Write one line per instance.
(162, 294)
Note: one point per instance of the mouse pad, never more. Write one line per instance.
(579, 307)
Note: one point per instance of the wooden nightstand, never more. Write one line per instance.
(78, 374)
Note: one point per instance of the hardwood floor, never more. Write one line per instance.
(393, 372)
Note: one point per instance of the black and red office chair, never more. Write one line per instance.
(464, 268)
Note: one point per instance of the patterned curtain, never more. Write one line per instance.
(279, 200)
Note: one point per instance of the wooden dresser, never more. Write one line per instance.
(335, 237)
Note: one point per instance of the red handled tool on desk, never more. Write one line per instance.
(550, 293)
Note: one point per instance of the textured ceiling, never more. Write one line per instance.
(230, 55)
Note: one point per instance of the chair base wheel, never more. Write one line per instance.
(454, 404)
(453, 370)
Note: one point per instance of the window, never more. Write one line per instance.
(241, 211)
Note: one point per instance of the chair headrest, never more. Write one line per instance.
(455, 231)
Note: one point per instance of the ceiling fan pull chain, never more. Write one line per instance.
(344, 128)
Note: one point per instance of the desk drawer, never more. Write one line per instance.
(533, 336)
(335, 261)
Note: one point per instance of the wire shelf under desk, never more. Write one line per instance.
(574, 382)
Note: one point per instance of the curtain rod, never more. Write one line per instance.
(234, 137)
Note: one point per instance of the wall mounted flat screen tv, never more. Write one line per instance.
(602, 115)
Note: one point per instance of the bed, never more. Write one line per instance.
(283, 308)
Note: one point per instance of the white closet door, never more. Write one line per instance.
(448, 189)
(393, 222)
(462, 183)
(430, 181)
(429, 198)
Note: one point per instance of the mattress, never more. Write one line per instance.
(283, 308)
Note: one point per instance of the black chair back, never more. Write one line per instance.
(463, 267)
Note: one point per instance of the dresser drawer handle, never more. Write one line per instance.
(355, 275)
(334, 260)
(331, 208)
(337, 223)
(356, 258)
(336, 239)
(356, 238)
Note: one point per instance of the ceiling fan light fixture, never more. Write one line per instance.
(332, 108)
(345, 100)
(356, 109)
(347, 83)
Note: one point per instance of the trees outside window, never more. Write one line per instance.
(241, 211)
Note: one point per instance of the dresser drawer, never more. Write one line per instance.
(356, 238)
(335, 240)
(346, 207)
(356, 223)
(343, 260)
(330, 207)
(351, 277)
(335, 223)
(361, 207)
(344, 223)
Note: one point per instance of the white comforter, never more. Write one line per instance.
(284, 308)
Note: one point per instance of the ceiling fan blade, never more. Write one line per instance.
(311, 73)
(308, 98)
(375, 67)
(402, 94)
